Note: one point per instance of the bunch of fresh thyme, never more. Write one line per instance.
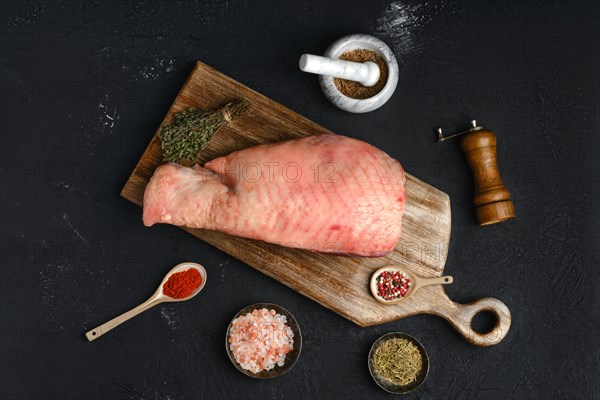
(190, 131)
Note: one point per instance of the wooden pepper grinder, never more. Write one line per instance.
(492, 198)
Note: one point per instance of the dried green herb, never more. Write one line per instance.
(398, 361)
(190, 131)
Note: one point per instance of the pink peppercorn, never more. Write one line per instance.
(392, 285)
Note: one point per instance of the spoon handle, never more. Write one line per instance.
(107, 326)
(442, 280)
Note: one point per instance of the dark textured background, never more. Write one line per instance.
(84, 85)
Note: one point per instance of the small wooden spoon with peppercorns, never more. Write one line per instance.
(391, 285)
(181, 283)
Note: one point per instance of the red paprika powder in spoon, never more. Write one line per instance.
(182, 284)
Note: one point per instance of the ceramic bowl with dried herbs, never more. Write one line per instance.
(398, 363)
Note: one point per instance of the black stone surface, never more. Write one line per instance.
(84, 85)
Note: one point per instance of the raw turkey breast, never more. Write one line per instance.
(326, 193)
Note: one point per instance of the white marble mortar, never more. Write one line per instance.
(355, 42)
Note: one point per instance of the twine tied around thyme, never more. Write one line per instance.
(226, 114)
(189, 131)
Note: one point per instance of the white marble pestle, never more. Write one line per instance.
(331, 66)
(367, 74)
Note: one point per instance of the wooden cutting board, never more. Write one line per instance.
(337, 282)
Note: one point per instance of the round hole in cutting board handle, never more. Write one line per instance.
(484, 321)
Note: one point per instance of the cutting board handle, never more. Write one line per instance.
(461, 317)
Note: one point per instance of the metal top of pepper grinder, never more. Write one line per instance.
(492, 198)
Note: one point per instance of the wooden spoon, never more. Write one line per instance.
(157, 298)
(416, 283)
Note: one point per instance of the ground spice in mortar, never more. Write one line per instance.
(182, 284)
(354, 89)
(398, 361)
